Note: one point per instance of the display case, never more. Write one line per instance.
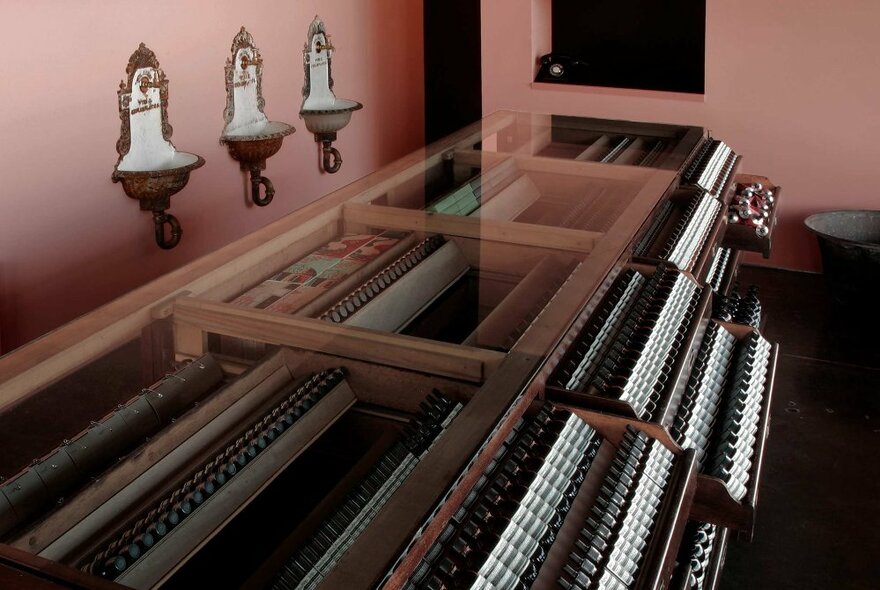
(385, 344)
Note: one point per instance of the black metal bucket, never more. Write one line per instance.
(850, 246)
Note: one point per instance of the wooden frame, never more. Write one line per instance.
(570, 240)
(193, 318)
(266, 376)
(374, 385)
(716, 236)
(559, 127)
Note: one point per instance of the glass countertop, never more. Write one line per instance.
(463, 244)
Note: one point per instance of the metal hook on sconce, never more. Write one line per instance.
(258, 179)
(332, 160)
(161, 219)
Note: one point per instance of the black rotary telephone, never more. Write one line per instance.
(560, 68)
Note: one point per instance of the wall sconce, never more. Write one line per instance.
(249, 135)
(323, 113)
(149, 167)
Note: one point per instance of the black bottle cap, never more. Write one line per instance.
(184, 507)
(195, 498)
(145, 540)
(158, 529)
(114, 566)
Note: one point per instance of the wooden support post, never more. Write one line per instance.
(189, 339)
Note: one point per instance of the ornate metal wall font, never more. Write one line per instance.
(249, 135)
(323, 113)
(149, 167)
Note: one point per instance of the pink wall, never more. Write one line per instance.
(71, 240)
(792, 86)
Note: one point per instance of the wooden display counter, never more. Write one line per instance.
(385, 344)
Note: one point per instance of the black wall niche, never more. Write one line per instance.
(644, 44)
(453, 73)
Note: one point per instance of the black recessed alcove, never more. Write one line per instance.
(643, 44)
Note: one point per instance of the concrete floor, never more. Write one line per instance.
(818, 509)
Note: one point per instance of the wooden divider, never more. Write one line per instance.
(194, 318)
(472, 227)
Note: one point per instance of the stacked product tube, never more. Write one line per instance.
(686, 241)
(711, 167)
(697, 549)
(720, 410)
(731, 458)
(738, 309)
(695, 419)
(612, 544)
(310, 564)
(719, 268)
(627, 353)
(362, 296)
(684, 246)
(500, 535)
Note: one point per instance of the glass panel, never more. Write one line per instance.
(85, 395)
(464, 243)
(429, 285)
(649, 145)
(520, 189)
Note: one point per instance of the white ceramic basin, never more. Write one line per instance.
(330, 119)
(155, 186)
(259, 130)
(177, 163)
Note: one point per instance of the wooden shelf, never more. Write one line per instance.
(416, 515)
(660, 553)
(713, 502)
(666, 539)
(703, 261)
(253, 385)
(714, 568)
(544, 225)
(743, 237)
(662, 549)
(731, 273)
(172, 552)
(611, 416)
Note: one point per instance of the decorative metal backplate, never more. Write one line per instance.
(143, 57)
(242, 40)
(316, 28)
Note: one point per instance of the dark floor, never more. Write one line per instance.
(818, 523)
